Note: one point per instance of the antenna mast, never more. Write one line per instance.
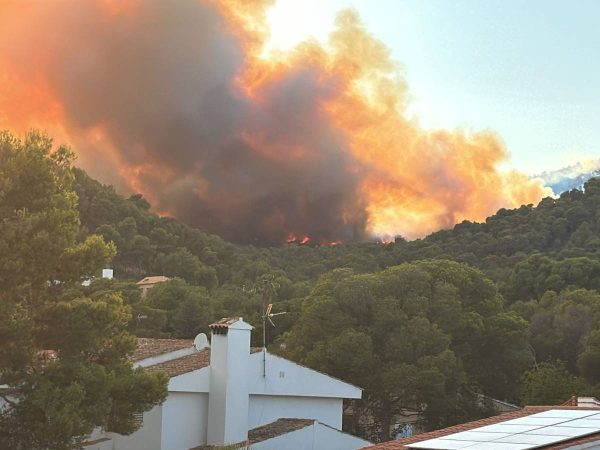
(267, 316)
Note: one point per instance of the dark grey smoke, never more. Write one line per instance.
(161, 81)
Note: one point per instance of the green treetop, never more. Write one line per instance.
(63, 357)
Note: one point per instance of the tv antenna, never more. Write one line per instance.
(267, 316)
(266, 286)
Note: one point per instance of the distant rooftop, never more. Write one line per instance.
(153, 280)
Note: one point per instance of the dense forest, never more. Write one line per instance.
(508, 308)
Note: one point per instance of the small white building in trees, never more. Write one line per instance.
(229, 394)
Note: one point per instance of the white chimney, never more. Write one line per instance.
(228, 397)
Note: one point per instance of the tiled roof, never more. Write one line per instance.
(147, 347)
(277, 428)
(185, 364)
(528, 410)
(224, 323)
(153, 280)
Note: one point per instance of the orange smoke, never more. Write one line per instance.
(314, 142)
(418, 181)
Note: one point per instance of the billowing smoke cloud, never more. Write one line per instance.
(172, 99)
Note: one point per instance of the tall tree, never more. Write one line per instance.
(63, 357)
(419, 338)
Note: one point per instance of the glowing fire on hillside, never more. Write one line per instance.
(189, 112)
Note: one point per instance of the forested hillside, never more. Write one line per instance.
(526, 251)
(521, 324)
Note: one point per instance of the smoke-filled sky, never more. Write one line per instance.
(179, 101)
(528, 69)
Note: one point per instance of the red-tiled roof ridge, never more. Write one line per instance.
(189, 363)
(185, 364)
(150, 347)
(526, 411)
(225, 322)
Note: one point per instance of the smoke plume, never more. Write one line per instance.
(176, 100)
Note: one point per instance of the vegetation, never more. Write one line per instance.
(413, 335)
(63, 356)
(508, 308)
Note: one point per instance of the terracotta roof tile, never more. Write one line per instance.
(526, 411)
(188, 363)
(184, 364)
(153, 280)
(224, 322)
(147, 347)
(277, 428)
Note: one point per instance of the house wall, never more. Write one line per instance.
(195, 381)
(327, 438)
(184, 420)
(100, 444)
(302, 439)
(313, 437)
(265, 409)
(147, 437)
(283, 377)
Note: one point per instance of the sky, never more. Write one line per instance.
(528, 70)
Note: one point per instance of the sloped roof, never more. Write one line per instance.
(277, 428)
(225, 322)
(153, 280)
(526, 411)
(182, 365)
(188, 363)
(148, 347)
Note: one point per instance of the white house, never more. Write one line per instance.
(228, 393)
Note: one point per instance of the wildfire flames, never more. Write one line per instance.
(177, 101)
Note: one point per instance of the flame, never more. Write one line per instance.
(292, 238)
(321, 133)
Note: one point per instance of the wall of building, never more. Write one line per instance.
(265, 409)
(147, 437)
(327, 438)
(283, 377)
(313, 437)
(302, 439)
(184, 420)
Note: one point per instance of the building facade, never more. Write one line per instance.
(228, 393)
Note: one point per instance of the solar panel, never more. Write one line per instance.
(528, 432)
(475, 435)
(539, 421)
(537, 439)
(445, 444)
(585, 422)
(499, 446)
(510, 429)
(566, 413)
